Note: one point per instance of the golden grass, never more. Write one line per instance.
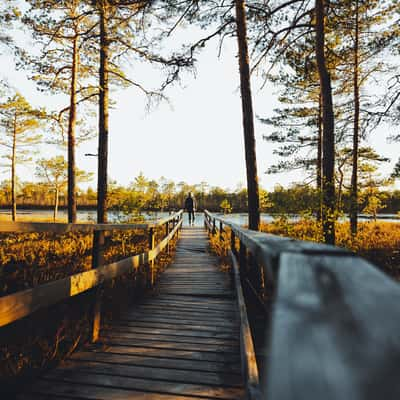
(379, 242)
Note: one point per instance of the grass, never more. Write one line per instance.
(378, 242)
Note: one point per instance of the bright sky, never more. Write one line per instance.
(198, 137)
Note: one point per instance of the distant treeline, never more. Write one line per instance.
(163, 195)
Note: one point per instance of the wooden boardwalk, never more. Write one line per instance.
(180, 343)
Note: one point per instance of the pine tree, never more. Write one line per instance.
(248, 118)
(66, 63)
(19, 120)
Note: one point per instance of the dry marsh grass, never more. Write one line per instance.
(378, 242)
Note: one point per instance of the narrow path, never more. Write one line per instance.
(181, 343)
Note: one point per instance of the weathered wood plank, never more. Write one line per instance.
(54, 390)
(179, 353)
(112, 355)
(335, 332)
(118, 368)
(173, 331)
(125, 334)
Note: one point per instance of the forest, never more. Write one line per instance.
(335, 64)
(148, 195)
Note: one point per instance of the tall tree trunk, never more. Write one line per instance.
(319, 158)
(56, 197)
(98, 238)
(103, 117)
(340, 188)
(248, 118)
(356, 128)
(328, 147)
(13, 174)
(71, 135)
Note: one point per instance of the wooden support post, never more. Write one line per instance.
(233, 242)
(166, 234)
(213, 227)
(220, 231)
(242, 259)
(151, 264)
(97, 260)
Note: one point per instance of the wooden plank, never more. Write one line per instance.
(122, 333)
(54, 390)
(180, 353)
(203, 311)
(185, 304)
(183, 314)
(168, 325)
(179, 322)
(112, 355)
(335, 331)
(147, 385)
(117, 326)
(117, 367)
(159, 344)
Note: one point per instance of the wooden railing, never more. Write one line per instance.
(24, 303)
(335, 328)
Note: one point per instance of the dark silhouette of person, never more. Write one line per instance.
(190, 207)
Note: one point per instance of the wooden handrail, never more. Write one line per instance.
(335, 322)
(58, 227)
(23, 303)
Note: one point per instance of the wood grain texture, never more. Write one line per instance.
(249, 363)
(181, 342)
(335, 331)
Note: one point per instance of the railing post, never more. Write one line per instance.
(213, 227)
(97, 260)
(233, 242)
(220, 230)
(242, 259)
(151, 263)
(166, 235)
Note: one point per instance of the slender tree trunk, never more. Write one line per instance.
(13, 174)
(56, 197)
(248, 118)
(103, 117)
(356, 128)
(328, 160)
(98, 238)
(71, 135)
(319, 158)
(340, 189)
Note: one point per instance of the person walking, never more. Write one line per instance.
(190, 207)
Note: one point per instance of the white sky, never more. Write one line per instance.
(196, 138)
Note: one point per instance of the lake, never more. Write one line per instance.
(116, 216)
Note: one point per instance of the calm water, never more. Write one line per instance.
(115, 216)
